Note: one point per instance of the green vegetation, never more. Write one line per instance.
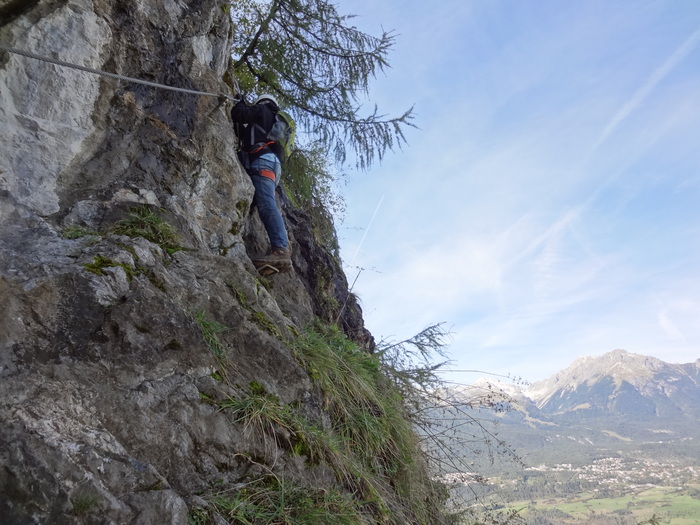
(263, 322)
(259, 318)
(367, 441)
(367, 412)
(199, 516)
(210, 331)
(309, 183)
(263, 412)
(242, 207)
(84, 500)
(99, 263)
(272, 500)
(662, 505)
(237, 225)
(241, 298)
(76, 232)
(370, 418)
(145, 222)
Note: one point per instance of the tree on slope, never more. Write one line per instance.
(319, 66)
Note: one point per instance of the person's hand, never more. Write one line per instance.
(237, 98)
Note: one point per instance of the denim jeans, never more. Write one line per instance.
(264, 198)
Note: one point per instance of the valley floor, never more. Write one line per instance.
(667, 505)
(607, 491)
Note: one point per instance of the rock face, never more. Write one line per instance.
(104, 355)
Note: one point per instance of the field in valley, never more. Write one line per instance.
(669, 505)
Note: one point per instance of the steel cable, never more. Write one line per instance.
(110, 75)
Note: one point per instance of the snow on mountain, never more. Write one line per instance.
(619, 384)
(622, 383)
(619, 365)
(508, 390)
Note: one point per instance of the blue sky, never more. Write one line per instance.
(548, 206)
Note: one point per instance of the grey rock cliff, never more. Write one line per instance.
(103, 366)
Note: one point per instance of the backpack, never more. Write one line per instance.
(283, 133)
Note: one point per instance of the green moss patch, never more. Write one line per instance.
(100, 263)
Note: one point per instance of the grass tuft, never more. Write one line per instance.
(99, 263)
(265, 324)
(373, 442)
(368, 442)
(146, 223)
(211, 332)
(84, 501)
(76, 232)
(272, 500)
(263, 412)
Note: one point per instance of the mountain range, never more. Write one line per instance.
(622, 385)
(619, 401)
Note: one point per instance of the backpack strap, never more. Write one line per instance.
(257, 133)
(261, 146)
(258, 139)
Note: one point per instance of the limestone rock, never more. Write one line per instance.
(105, 372)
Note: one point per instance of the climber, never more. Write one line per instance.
(261, 155)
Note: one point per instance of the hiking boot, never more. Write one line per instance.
(277, 260)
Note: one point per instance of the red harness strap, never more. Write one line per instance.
(267, 173)
(262, 146)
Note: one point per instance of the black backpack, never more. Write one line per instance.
(282, 133)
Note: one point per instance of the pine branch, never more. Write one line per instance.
(308, 55)
(261, 30)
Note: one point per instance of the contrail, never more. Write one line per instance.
(676, 58)
(367, 230)
(337, 319)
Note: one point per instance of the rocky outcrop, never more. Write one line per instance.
(126, 288)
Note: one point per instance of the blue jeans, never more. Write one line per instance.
(264, 198)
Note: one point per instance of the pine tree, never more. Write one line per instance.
(319, 66)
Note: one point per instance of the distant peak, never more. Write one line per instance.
(618, 351)
(618, 365)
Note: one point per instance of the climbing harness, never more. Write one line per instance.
(111, 75)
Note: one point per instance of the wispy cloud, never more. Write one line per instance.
(676, 318)
(505, 217)
(668, 326)
(643, 92)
